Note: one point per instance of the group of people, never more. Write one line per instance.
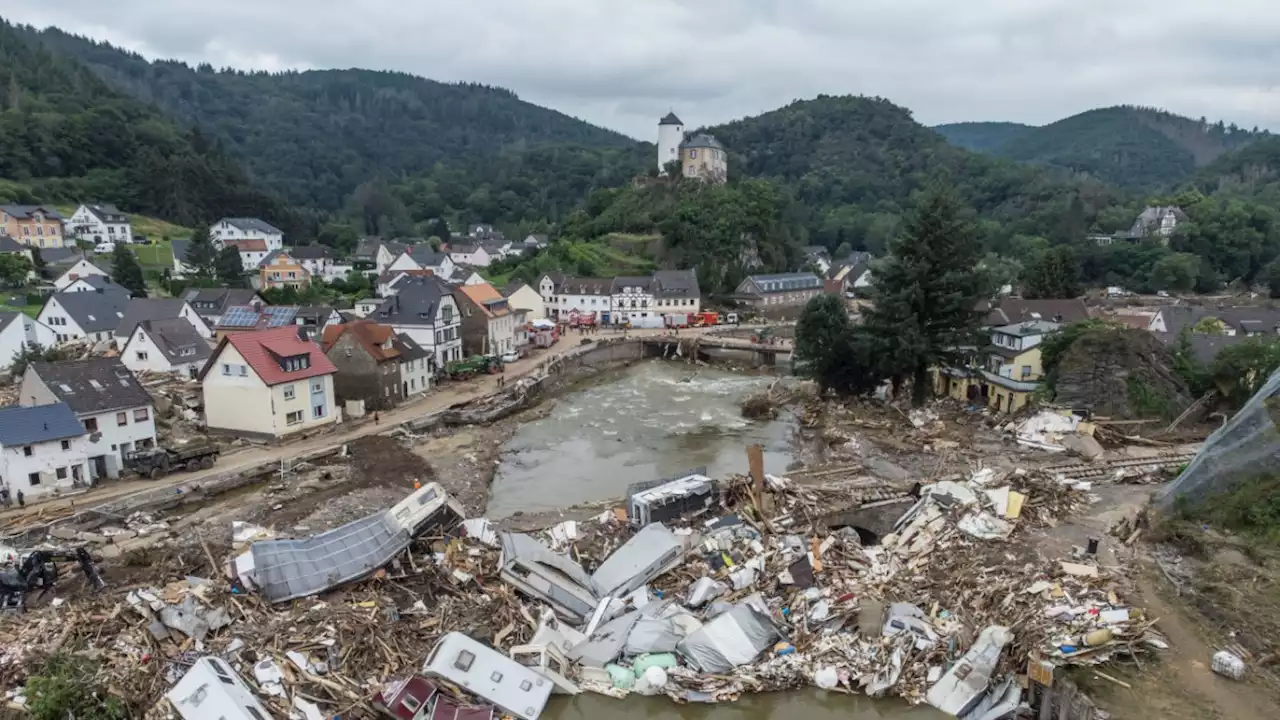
(8, 501)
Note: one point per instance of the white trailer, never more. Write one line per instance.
(212, 691)
(489, 675)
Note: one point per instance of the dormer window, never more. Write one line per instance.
(293, 363)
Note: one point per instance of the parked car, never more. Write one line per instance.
(104, 247)
(510, 356)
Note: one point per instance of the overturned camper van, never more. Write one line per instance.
(669, 498)
(489, 675)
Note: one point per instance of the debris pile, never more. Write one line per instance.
(732, 587)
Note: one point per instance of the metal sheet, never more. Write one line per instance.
(639, 560)
(288, 569)
(732, 639)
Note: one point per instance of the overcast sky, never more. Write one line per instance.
(623, 64)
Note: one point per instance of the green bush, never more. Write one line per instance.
(65, 688)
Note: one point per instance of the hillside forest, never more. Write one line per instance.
(333, 156)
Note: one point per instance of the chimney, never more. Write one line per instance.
(303, 333)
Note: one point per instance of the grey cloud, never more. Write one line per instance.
(624, 63)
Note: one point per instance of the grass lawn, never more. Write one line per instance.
(159, 254)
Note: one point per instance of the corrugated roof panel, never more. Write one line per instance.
(288, 569)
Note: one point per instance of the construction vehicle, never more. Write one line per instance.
(472, 366)
(155, 462)
(39, 570)
(763, 336)
(706, 319)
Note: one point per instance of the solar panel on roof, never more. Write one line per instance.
(279, 316)
(240, 317)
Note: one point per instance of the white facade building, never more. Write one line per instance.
(84, 316)
(165, 346)
(631, 301)
(42, 450)
(424, 309)
(473, 254)
(247, 229)
(670, 135)
(106, 398)
(82, 268)
(19, 331)
(99, 223)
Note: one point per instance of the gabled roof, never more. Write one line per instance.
(252, 225)
(784, 282)
(6, 318)
(250, 317)
(24, 212)
(248, 245)
(1014, 310)
(670, 119)
(313, 314)
(310, 252)
(96, 310)
(271, 257)
(514, 287)
(177, 339)
(1028, 329)
(388, 276)
(266, 350)
(426, 256)
(487, 298)
(585, 286)
(26, 425)
(377, 340)
(625, 281)
(409, 348)
(220, 298)
(106, 212)
(701, 140)
(9, 245)
(675, 284)
(141, 309)
(100, 282)
(180, 249)
(536, 239)
(464, 248)
(61, 256)
(92, 386)
(366, 248)
(415, 303)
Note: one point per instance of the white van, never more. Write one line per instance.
(489, 675)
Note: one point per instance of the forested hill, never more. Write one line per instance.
(1253, 172)
(65, 135)
(314, 136)
(1132, 147)
(981, 136)
(854, 163)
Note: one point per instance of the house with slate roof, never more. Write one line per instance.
(94, 283)
(782, 290)
(211, 303)
(99, 223)
(85, 316)
(114, 409)
(168, 345)
(142, 309)
(42, 450)
(268, 384)
(676, 291)
(423, 257)
(424, 309)
(19, 331)
(80, 269)
(236, 229)
(33, 225)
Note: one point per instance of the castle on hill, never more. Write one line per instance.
(701, 156)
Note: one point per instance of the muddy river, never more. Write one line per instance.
(639, 423)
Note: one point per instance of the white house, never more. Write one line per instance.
(115, 410)
(93, 283)
(247, 229)
(422, 257)
(415, 366)
(165, 346)
(252, 252)
(84, 316)
(534, 242)
(99, 223)
(42, 450)
(676, 292)
(19, 331)
(389, 280)
(268, 384)
(582, 296)
(526, 299)
(317, 259)
(424, 309)
(142, 309)
(631, 300)
(81, 268)
(473, 254)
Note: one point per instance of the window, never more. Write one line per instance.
(66, 444)
(348, 352)
(122, 419)
(464, 660)
(293, 418)
(141, 415)
(317, 386)
(288, 392)
(244, 371)
(525, 685)
(226, 369)
(33, 478)
(142, 355)
(693, 154)
(26, 450)
(410, 703)
(317, 412)
(91, 425)
(496, 676)
(61, 473)
(1026, 371)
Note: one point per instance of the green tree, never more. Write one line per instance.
(127, 272)
(14, 269)
(435, 243)
(65, 687)
(201, 253)
(439, 229)
(1271, 277)
(831, 351)
(843, 251)
(1001, 270)
(927, 292)
(230, 269)
(1177, 272)
(1054, 274)
(1240, 370)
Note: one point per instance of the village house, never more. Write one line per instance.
(1247, 321)
(268, 384)
(526, 299)
(848, 279)
(533, 242)
(236, 229)
(676, 292)
(1009, 311)
(211, 303)
(42, 450)
(33, 225)
(9, 246)
(367, 357)
(142, 309)
(388, 280)
(764, 292)
(583, 298)
(473, 254)
(81, 268)
(374, 256)
(170, 345)
(113, 407)
(422, 257)
(253, 252)
(488, 324)
(365, 306)
(255, 318)
(631, 301)
(702, 157)
(99, 223)
(87, 316)
(18, 332)
(1014, 370)
(424, 309)
(93, 283)
(317, 260)
(819, 257)
(316, 318)
(484, 232)
(415, 366)
(281, 270)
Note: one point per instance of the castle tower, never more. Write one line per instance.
(670, 135)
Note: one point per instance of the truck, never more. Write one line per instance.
(474, 365)
(706, 319)
(677, 320)
(155, 462)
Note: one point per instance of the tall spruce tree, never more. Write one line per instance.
(127, 272)
(926, 292)
(1054, 274)
(201, 253)
(229, 268)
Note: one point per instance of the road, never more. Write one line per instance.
(433, 401)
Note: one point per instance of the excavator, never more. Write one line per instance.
(39, 570)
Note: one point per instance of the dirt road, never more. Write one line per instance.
(431, 402)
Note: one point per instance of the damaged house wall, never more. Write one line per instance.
(361, 377)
